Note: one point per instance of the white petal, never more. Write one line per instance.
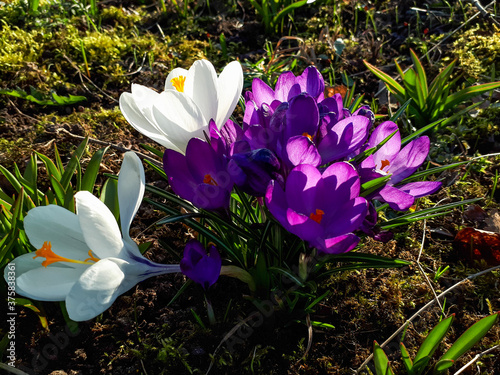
(59, 226)
(174, 74)
(141, 120)
(99, 226)
(179, 118)
(131, 185)
(230, 85)
(201, 86)
(49, 284)
(95, 291)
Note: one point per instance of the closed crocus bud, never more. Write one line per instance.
(199, 266)
(254, 169)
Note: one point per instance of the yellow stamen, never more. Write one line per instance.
(50, 257)
(209, 180)
(305, 134)
(178, 83)
(385, 163)
(317, 216)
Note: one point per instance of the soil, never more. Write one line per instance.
(151, 329)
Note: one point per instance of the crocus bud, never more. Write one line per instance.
(199, 266)
(255, 169)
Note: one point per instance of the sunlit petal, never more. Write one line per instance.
(98, 225)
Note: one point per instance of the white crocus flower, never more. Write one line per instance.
(183, 111)
(82, 258)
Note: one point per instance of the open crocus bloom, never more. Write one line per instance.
(183, 111)
(82, 258)
(320, 208)
(399, 163)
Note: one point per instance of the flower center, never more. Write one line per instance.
(317, 216)
(178, 83)
(209, 180)
(305, 134)
(385, 163)
(50, 257)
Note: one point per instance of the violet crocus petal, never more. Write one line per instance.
(283, 86)
(333, 106)
(210, 197)
(367, 112)
(345, 136)
(303, 226)
(391, 148)
(337, 245)
(302, 117)
(294, 91)
(301, 189)
(262, 93)
(300, 150)
(346, 218)
(420, 188)
(231, 132)
(276, 203)
(311, 81)
(179, 176)
(341, 181)
(398, 200)
(202, 160)
(409, 159)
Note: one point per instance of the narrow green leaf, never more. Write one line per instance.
(109, 195)
(422, 77)
(73, 164)
(382, 366)
(288, 274)
(372, 185)
(58, 191)
(153, 150)
(52, 170)
(469, 92)
(92, 170)
(470, 337)
(400, 110)
(442, 366)
(392, 85)
(433, 339)
(406, 358)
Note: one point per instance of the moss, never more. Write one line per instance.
(18, 47)
(477, 50)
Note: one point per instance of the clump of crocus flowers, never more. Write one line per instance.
(302, 155)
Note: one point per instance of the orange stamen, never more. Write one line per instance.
(178, 83)
(308, 136)
(209, 180)
(385, 163)
(317, 216)
(50, 257)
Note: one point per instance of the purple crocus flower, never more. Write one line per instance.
(201, 175)
(288, 86)
(320, 208)
(390, 159)
(199, 266)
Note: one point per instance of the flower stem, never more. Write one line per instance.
(210, 311)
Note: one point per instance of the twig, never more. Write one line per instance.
(429, 304)
(21, 113)
(88, 79)
(476, 358)
(112, 145)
